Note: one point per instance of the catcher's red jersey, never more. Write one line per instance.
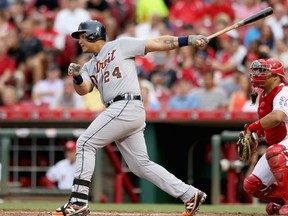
(279, 132)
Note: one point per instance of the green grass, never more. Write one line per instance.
(49, 205)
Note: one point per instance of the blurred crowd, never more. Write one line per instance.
(36, 50)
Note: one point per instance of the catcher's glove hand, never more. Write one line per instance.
(246, 145)
(74, 69)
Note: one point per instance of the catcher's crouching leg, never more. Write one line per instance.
(254, 186)
(277, 157)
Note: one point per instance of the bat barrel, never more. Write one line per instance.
(257, 16)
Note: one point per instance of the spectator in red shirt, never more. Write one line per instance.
(228, 57)
(186, 11)
(45, 32)
(53, 42)
(216, 7)
(195, 72)
(223, 54)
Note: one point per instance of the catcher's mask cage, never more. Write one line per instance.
(93, 30)
(261, 68)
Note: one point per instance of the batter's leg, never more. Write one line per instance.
(134, 151)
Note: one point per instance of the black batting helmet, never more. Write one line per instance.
(92, 29)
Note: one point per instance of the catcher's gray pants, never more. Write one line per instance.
(124, 123)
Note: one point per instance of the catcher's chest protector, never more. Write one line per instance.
(276, 134)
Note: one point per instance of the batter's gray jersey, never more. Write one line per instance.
(113, 70)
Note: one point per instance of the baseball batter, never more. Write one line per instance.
(112, 71)
(268, 180)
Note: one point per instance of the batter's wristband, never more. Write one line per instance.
(255, 126)
(78, 80)
(183, 41)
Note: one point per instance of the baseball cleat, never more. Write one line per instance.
(192, 206)
(72, 209)
(273, 208)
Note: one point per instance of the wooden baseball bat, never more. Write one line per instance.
(257, 16)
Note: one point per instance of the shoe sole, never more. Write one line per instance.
(84, 213)
(87, 212)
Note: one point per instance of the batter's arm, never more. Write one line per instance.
(162, 43)
(84, 88)
(167, 42)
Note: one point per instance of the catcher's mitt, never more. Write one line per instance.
(246, 145)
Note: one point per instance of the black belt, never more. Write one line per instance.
(124, 97)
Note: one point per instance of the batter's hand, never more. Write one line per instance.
(74, 69)
(197, 40)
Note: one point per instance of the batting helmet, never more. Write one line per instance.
(92, 29)
(261, 67)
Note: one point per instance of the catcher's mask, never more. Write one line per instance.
(92, 29)
(261, 68)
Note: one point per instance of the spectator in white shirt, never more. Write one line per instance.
(73, 13)
(46, 91)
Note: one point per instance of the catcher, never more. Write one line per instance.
(268, 178)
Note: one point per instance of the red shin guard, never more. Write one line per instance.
(254, 186)
(277, 158)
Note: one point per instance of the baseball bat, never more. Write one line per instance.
(257, 16)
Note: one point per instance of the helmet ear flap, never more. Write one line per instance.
(277, 68)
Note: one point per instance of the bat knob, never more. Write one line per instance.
(201, 43)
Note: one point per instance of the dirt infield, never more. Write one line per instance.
(35, 213)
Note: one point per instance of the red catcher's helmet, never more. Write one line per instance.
(260, 68)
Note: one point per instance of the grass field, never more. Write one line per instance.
(12, 207)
